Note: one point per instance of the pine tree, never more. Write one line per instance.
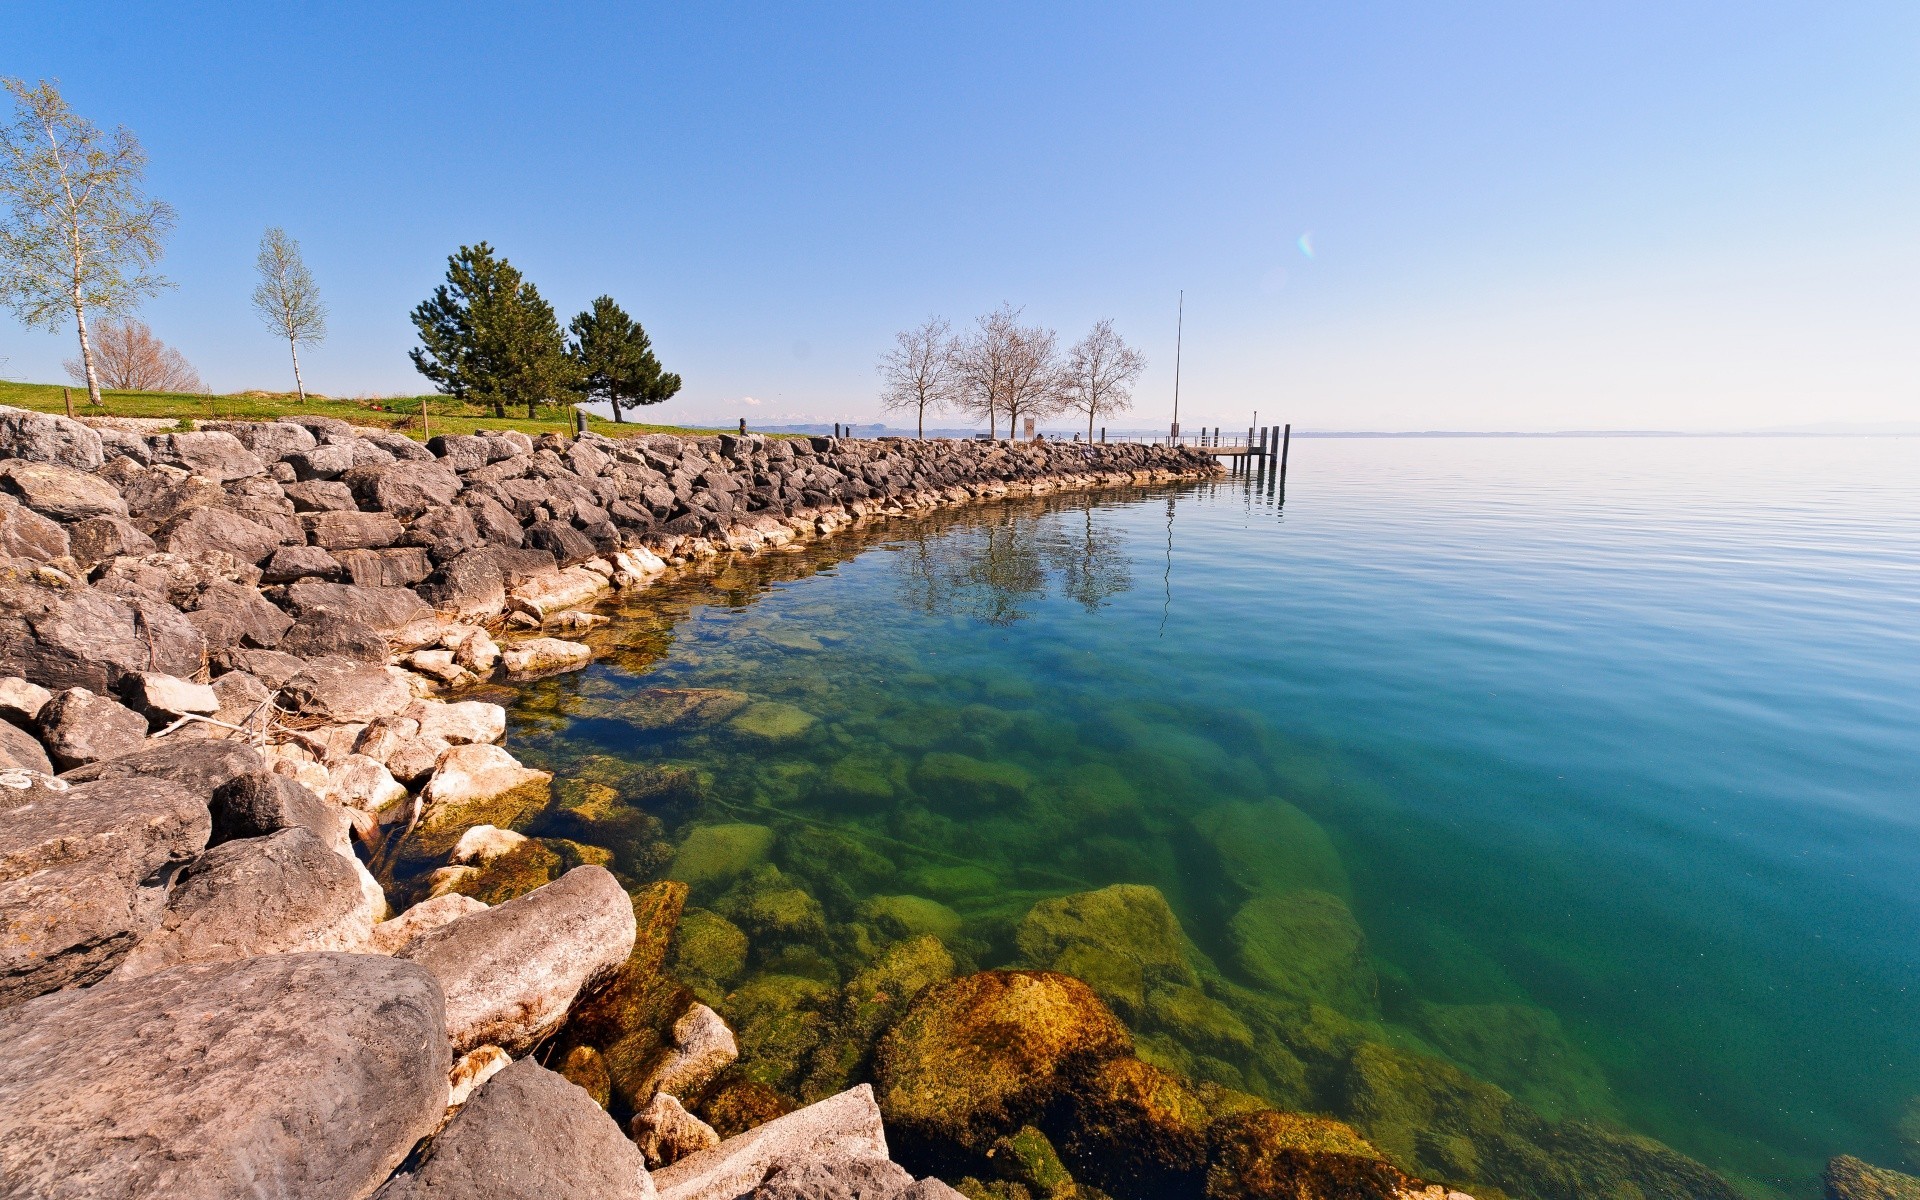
(615, 358)
(488, 337)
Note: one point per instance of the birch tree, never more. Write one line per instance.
(287, 299)
(1099, 373)
(921, 372)
(78, 234)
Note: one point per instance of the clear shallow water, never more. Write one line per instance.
(1608, 745)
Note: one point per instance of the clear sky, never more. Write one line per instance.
(1520, 215)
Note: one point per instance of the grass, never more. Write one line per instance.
(402, 415)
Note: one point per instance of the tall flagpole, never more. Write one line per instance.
(1180, 329)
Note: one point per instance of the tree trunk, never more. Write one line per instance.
(1090, 409)
(500, 409)
(921, 433)
(617, 418)
(86, 355)
(299, 387)
(533, 412)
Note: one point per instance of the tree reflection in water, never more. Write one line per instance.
(995, 567)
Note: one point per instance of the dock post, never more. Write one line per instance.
(1286, 443)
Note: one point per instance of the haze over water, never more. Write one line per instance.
(1619, 729)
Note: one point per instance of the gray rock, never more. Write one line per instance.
(97, 539)
(284, 893)
(200, 767)
(25, 534)
(216, 455)
(20, 701)
(351, 530)
(322, 462)
(342, 690)
(80, 727)
(83, 874)
(198, 532)
(44, 437)
(527, 1134)
(391, 937)
(293, 1075)
(230, 614)
(842, 1127)
(264, 802)
(324, 429)
(852, 1177)
(567, 544)
(399, 445)
(290, 563)
(165, 697)
(405, 489)
(386, 609)
(61, 492)
(511, 973)
(20, 749)
(462, 452)
(321, 495)
(325, 634)
(85, 638)
(400, 566)
(271, 667)
(269, 440)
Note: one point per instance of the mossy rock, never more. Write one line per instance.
(1287, 1156)
(833, 857)
(629, 1020)
(870, 1002)
(601, 814)
(778, 1023)
(772, 911)
(1135, 1131)
(715, 855)
(529, 865)
(1306, 945)
(911, 916)
(967, 785)
(1096, 793)
(953, 881)
(1848, 1178)
(858, 782)
(975, 1058)
(665, 708)
(1200, 1021)
(708, 948)
(772, 721)
(1523, 1049)
(584, 1068)
(1027, 1158)
(1273, 847)
(442, 824)
(1123, 940)
(737, 1105)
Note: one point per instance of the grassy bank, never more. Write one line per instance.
(444, 414)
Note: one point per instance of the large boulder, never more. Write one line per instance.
(284, 893)
(201, 767)
(841, 1129)
(230, 614)
(20, 749)
(61, 492)
(86, 638)
(97, 539)
(263, 802)
(405, 489)
(385, 609)
(351, 530)
(1848, 1178)
(44, 437)
(212, 454)
(510, 973)
(84, 874)
(325, 633)
(288, 1075)
(199, 533)
(81, 727)
(1264, 1155)
(977, 1057)
(25, 534)
(339, 690)
(527, 1134)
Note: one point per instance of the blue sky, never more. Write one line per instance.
(1522, 215)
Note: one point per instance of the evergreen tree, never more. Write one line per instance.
(488, 337)
(615, 358)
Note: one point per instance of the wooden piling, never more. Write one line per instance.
(1286, 442)
(68, 393)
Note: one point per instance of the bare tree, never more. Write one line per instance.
(287, 299)
(78, 233)
(1099, 374)
(128, 358)
(921, 372)
(1006, 367)
(1033, 386)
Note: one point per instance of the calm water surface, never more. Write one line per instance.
(1611, 748)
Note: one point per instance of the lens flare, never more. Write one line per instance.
(1306, 243)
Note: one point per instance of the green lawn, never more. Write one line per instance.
(401, 415)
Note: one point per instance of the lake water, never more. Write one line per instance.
(1586, 767)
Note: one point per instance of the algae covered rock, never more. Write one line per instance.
(1273, 847)
(1523, 1049)
(708, 949)
(860, 782)
(715, 855)
(1287, 1156)
(1308, 946)
(977, 1057)
(1122, 940)
(1136, 1131)
(911, 916)
(965, 784)
(773, 911)
(628, 1022)
(1848, 1178)
(771, 721)
(870, 1002)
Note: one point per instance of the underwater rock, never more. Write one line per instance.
(628, 1022)
(1136, 1131)
(1028, 1159)
(779, 1024)
(871, 1001)
(1286, 1156)
(1523, 1049)
(1273, 847)
(1122, 940)
(1848, 1178)
(528, 865)
(709, 949)
(842, 1127)
(667, 1132)
(966, 784)
(911, 916)
(1305, 945)
(772, 911)
(585, 1069)
(861, 782)
(472, 1071)
(738, 1105)
(484, 843)
(772, 721)
(664, 708)
(977, 1057)
(1200, 1021)
(714, 855)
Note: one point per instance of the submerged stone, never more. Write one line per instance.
(1286, 1156)
(1848, 1178)
(1273, 847)
(910, 916)
(968, 784)
(708, 949)
(1122, 940)
(772, 721)
(714, 855)
(1305, 945)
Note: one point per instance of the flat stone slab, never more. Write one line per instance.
(295, 1075)
(845, 1126)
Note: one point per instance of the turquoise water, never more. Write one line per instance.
(1608, 746)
